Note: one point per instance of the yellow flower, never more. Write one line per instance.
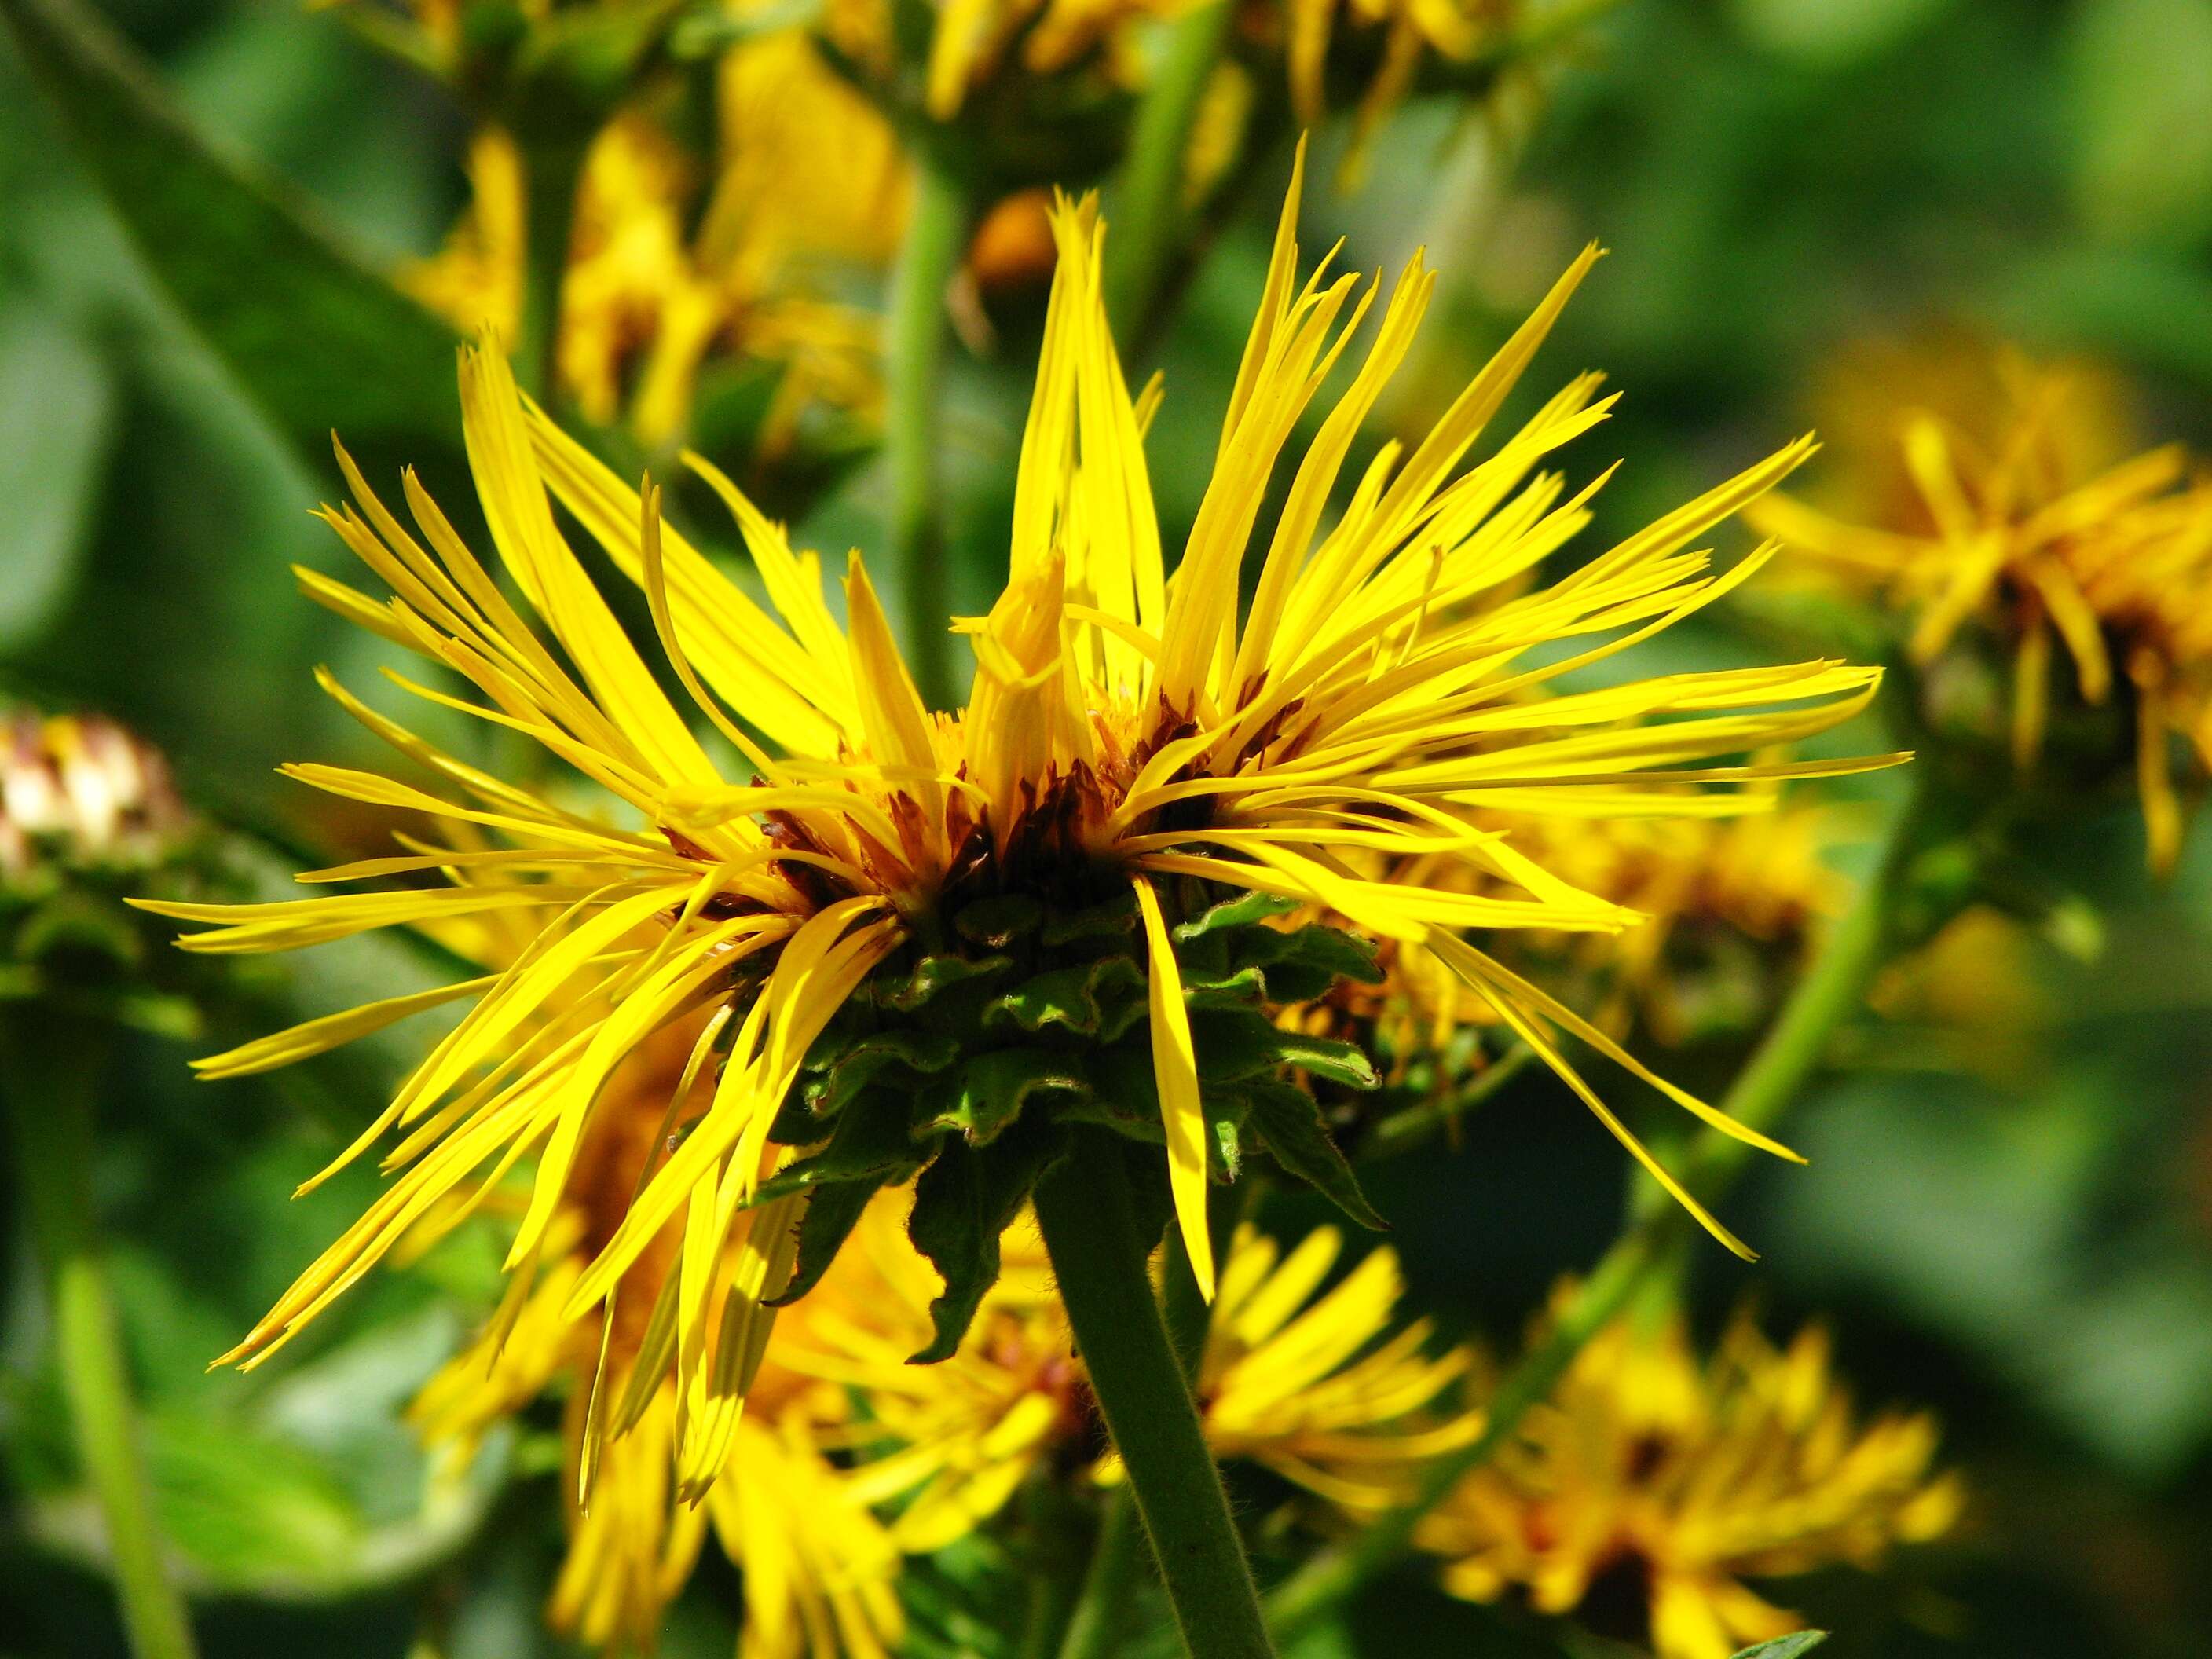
(972, 40)
(1399, 35)
(1131, 753)
(1315, 1385)
(647, 299)
(1319, 1386)
(1648, 1469)
(817, 1568)
(2006, 526)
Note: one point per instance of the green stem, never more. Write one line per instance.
(554, 169)
(55, 1074)
(1146, 205)
(1099, 1252)
(936, 233)
(1117, 1556)
(1832, 987)
(1116, 1562)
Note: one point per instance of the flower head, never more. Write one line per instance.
(666, 277)
(1684, 1478)
(1323, 1386)
(2009, 527)
(930, 942)
(817, 1565)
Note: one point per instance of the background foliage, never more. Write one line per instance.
(2019, 1236)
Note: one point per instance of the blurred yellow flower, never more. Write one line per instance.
(1324, 1387)
(1675, 1480)
(971, 40)
(817, 1566)
(1130, 749)
(657, 286)
(2008, 525)
(1754, 875)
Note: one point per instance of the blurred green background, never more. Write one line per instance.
(2015, 1229)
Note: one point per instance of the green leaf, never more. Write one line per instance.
(317, 338)
(1289, 1122)
(50, 468)
(1115, 915)
(850, 1069)
(871, 1144)
(993, 1088)
(1785, 1647)
(996, 922)
(934, 973)
(1242, 911)
(1101, 999)
(1232, 1047)
(831, 1214)
(963, 1202)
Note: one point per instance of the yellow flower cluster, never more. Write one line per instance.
(849, 1458)
(1679, 1479)
(659, 286)
(2008, 521)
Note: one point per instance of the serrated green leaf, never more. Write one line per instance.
(1233, 1047)
(871, 1144)
(932, 975)
(830, 1216)
(992, 1089)
(1100, 1000)
(960, 1205)
(1339, 954)
(317, 339)
(1115, 915)
(853, 1067)
(1785, 1647)
(997, 922)
(1289, 1123)
(1245, 988)
(1242, 911)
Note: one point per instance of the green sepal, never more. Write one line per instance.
(1785, 1647)
(1233, 1047)
(1245, 988)
(830, 1218)
(963, 1202)
(1288, 1123)
(1116, 915)
(1326, 949)
(998, 921)
(851, 1067)
(1245, 910)
(1124, 1094)
(870, 1147)
(933, 974)
(990, 1091)
(1099, 1000)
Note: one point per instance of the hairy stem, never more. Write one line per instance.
(1834, 985)
(53, 1076)
(1099, 1252)
(936, 232)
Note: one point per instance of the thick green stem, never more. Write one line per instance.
(554, 169)
(936, 233)
(1832, 987)
(1117, 1556)
(54, 1073)
(1098, 1253)
(1146, 202)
